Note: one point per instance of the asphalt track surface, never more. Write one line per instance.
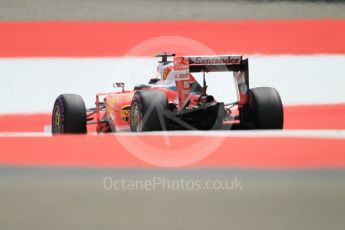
(129, 10)
(44, 197)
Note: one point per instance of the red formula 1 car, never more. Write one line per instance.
(175, 101)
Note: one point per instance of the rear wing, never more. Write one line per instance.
(212, 63)
(184, 65)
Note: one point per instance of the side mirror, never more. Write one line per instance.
(154, 80)
(119, 85)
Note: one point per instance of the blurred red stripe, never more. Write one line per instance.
(95, 39)
(295, 117)
(239, 152)
(24, 122)
(314, 116)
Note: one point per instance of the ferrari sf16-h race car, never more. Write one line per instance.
(175, 101)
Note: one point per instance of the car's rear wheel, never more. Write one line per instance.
(69, 114)
(265, 108)
(147, 111)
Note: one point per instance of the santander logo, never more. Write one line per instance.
(220, 60)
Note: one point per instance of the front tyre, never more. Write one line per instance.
(69, 115)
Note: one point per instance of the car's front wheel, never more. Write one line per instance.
(69, 114)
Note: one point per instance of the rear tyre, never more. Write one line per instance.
(69, 114)
(266, 108)
(147, 110)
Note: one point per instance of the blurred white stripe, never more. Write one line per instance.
(31, 85)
